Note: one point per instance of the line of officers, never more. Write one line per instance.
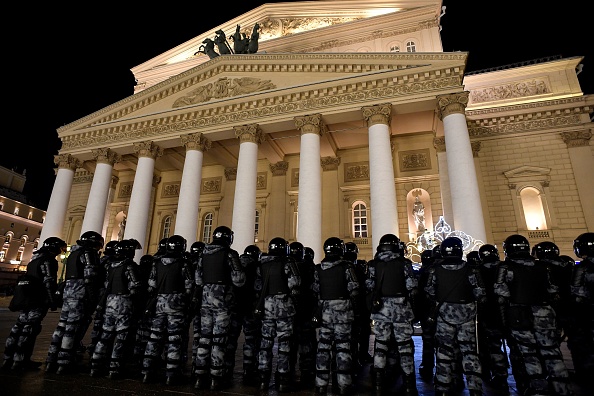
(319, 315)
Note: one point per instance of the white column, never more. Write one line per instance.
(56, 210)
(582, 162)
(384, 212)
(466, 202)
(137, 220)
(309, 202)
(97, 202)
(189, 191)
(244, 205)
(444, 181)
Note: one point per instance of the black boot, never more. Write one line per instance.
(378, 381)
(284, 382)
(202, 382)
(264, 380)
(409, 382)
(216, 382)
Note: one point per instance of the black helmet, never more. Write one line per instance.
(516, 246)
(109, 249)
(351, 251)
(308, 253)
(473, 258)
(488, 253)
(436, 252)
(136, 243)
(389, 243)
(253, 251)
(146, 260)
(296, 251)
(278, 247)
(545, 250)
(197, 248)
(92, 239)
(334, 246)
(222, 235)
(567, 260)
(176, 243)
(126, 248)
(427, 257)
(583, 245)
(451, 247)
(54, 245)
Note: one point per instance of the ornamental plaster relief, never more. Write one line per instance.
(224, 88)
(282, 105)
(523, 126)
(517, 89)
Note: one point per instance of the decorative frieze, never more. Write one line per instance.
(516, 89)
(223, 88)
(356, 171)
(525, 124)
(279, 169)
(170, 190)
(125, 190)
(452, 104)
(211, 185)
(413, 160)
(329, 163)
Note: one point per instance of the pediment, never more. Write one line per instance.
(527, 173)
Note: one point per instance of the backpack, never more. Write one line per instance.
(28, 293)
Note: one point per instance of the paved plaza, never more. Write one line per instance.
(33, 383)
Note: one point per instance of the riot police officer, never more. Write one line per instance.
(455, 287)
(117, 308)
(171, 282)
(81, 295)
(490, 329)
(277, 281)
(21, 340)
(194, 312)
(392, 279)
(335, 287)
(582, 290)
(304, 332)
(524, 293)
(218, 273)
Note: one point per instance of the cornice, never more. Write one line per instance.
(356, 63)
(378, 87)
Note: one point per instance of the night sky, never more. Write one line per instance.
(63, 63)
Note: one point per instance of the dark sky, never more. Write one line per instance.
(62, 63)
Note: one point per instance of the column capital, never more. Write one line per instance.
(230, 173)
(310, 124)
(196, 141)
(280, 168)
(329, 163)
(156, 180)
(476, 147)
(106, 156)
(439, 144)
(378, 114)
(148, 149)
(114, 181)
(67, 161)
(249, 133)
(452, 104)
(576, 138)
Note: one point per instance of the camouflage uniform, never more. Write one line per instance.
(335, 286)
(105, 262)
(396, 283)
(172, 281)
(81, 295)
(454, 287)
(21, 340)
(524, 289)
(278, 313)
(582, 346)
(116, 309)
(218, 271)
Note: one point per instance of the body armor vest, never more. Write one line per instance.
(34, 267)
(529, 285)
(215, 269)
(119, 285)
(171, 277)
(74, 266)
(453, 286)
(333, 284)
(393, 283)
(277, 279)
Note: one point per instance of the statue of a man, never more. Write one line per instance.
(419, 214)
(122, 229)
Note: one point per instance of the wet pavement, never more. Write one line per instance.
(37, 382)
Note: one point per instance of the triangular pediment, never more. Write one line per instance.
(527, 173)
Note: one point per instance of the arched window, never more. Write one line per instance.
(207, 227)
(256, 226)
(359, 219)
(166, 227)
(533, 209)
(411, 46)
(394, 48)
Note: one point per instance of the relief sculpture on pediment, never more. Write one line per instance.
(222, 88)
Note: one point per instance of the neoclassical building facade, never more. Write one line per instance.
(349, 121)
